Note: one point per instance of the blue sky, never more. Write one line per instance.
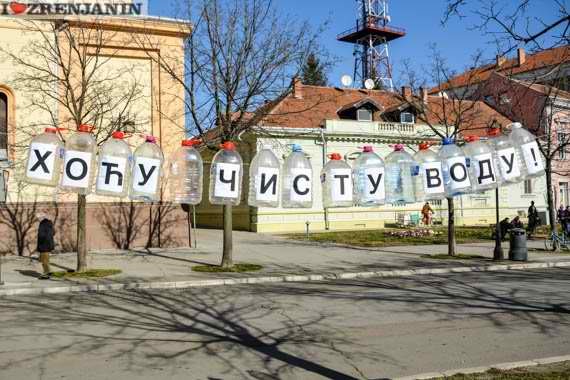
(421, 19)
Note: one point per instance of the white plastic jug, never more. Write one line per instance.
(482, 167)
(297, 180)
(399, 182)
(45, 159)
(336, 179)
(368, 176)
(226, 174)
(527, 147)
(428, 175)
(147, 171)
(455, 172)
(507, 157)
(264, 179)
(186, 174)
(79, 162)
(115, 160)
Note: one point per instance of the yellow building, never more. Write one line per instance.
(121, 52)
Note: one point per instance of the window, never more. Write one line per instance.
(528, 186)
(407, 118)
(364, 114)
(3, 124)
(562, 140)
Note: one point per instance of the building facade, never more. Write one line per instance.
(324, 120)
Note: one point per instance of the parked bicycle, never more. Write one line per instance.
(563, 241)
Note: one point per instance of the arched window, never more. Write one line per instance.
(3, 123)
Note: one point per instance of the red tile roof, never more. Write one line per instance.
(544, 59)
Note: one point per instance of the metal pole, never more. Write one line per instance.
(189, 222)
(194, 226)
(498, 253)
(1, 261)
(307, 223)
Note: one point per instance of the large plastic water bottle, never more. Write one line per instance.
(428, 175)
(45, 158)
(297, 180)
(226, 176)
(368, 176)
(115, 159)
(506, 156)
(79, 162)
(336, 179)
(527, 147)
(399, 182)
(455, 172)
(186, 174)
(482, 167)
(264, 179)
(147, 171)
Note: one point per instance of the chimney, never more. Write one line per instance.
(407, 92)
(521, 55)
(501, 60)
(297, 88)
(424, 94)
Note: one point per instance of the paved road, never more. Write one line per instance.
(347, 329)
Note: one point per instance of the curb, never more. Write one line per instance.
(9, 291)
(502, 366)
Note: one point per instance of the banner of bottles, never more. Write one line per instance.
(402, 178)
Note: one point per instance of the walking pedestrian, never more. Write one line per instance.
(426, 214)
(533, 219)
(46, 244)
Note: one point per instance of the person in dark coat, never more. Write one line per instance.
(46, 244)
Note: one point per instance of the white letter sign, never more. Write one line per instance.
(41, 162)
(532, 158)
(146, 175)
(111, 176)
(301, 185)
(76, 169)
(341, 185)
(374, 185)
(266, 182)
(432, 177)
(227, 181)
(508, 163)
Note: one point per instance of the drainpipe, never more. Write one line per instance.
(324, 150)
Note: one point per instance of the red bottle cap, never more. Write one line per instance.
(470, 139)
(118, 135)
(190, 142)
(424, 146)
(50, 130)
(335, 156)
(150, 139)
(228, 145)
(85, 128)
(367, 149)
(494, 132)
(398, 147)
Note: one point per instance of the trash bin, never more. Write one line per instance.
(518, 250)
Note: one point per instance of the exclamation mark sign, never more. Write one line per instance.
(534, 157)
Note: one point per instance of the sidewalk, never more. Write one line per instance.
(282, 259)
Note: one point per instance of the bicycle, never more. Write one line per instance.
(563, 241)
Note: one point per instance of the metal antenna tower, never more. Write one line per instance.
(370, 38)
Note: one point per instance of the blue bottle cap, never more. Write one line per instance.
(447, 141)
(296, 148)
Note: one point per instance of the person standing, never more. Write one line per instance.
(46, 244)
(566, 221)
(426, 214)
(560, 215)
(532, 219)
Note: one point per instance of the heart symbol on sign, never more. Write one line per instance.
(18, 8)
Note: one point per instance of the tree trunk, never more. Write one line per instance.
(550, 203)
(81, 233)
(451, 249)
(227, 260)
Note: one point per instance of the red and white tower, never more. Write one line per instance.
(370, 38)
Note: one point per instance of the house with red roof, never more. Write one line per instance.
(326, 120)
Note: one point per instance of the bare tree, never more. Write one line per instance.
(241, 53)
(445, 116)
(66, 73)
(511, 24)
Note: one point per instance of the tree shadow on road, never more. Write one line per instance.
(166, 329)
